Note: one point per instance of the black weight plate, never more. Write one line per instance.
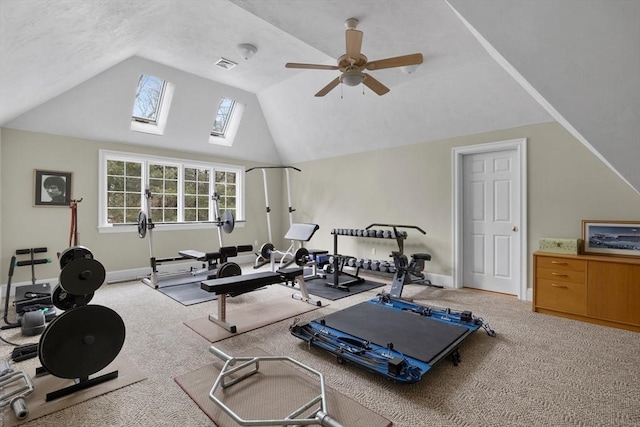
(228, 269)
(73, 253)
(65, 301)
(142, 224)
(301, 257)
(81, 342)
(228, 222)
(266, 250)
(82, 276)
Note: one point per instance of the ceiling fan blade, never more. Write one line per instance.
(374, 85)
(325, 90)
(354, 43)
(398, 61)
(311, 66)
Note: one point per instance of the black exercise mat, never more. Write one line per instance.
(417, 336)
(188, 294)
(319, 288)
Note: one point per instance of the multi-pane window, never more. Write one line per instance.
(223, 117)
(180, 192)
(124, 186)
(196, 194)
(163, 184)
(146, 107)
(226, 189)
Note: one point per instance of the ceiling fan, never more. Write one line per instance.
(353, 64)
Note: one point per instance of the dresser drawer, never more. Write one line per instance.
(561, 275)
(563, 296)
(560, 263)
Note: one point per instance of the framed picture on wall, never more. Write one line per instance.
(52, 188)
(620, 238)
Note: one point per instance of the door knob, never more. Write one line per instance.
(514, 228)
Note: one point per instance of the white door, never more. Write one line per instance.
(490, 221)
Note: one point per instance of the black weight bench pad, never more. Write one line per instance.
(413, 335)
(301, 231)
(236, 285)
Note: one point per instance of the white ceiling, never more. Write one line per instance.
(568, 60)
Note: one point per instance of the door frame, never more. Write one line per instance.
(520, 145)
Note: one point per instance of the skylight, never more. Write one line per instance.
(146, 107)
(223, 117)
(151, 105)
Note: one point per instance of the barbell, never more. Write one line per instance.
(227, 222)
(300, 257)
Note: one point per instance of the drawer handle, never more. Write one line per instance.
(559, 286)
(558, 262)
(559, 274)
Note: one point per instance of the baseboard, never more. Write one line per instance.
(132, 274)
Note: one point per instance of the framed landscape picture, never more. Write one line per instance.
(620, 238)
(52, 188)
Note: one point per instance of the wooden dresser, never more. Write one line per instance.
(591, 288)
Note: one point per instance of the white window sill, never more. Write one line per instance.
(161, 227)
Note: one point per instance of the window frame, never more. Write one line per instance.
(228, 120)
(106, 155)
(164, 104)
(231, 128)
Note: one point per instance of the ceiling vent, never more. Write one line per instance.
(225, 63)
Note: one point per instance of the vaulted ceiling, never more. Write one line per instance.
(489, 64)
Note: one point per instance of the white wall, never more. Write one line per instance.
(404, 185)
(413, 185)
(26, 226)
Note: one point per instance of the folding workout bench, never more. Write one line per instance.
(240, 284)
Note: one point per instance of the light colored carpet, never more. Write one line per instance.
(539, 371)
(274, 392)
(249, 317)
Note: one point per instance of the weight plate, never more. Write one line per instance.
(228, 222)
(65, 301)
(81, 342)
(266, 250)
(301, 257)
(142, 224)
(228, 269)
(82, 276)
(72, 253)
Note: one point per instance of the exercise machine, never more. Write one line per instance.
(210, 260)
(268, 248)
(32, 302)
(391, 337)
(408, 272)
(237, 369)
(231, 282)
(298, 232)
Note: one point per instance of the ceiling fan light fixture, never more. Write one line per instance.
(352, 79)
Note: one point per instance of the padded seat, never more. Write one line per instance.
(421, 256)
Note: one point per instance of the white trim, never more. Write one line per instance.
(103, 155)
(519, 78)
(520, 145)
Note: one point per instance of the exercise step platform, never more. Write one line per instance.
(394, 338)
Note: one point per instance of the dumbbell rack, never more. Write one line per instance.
(368, 232)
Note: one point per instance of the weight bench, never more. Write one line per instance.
(298, 232)
(212, 258)
(236, 285)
